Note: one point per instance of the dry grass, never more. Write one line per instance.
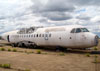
(51, 61)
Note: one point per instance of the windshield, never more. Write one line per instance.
(78, 30)
(84, 30)
(73, 31)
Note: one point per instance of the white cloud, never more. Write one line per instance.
(16, 14)
(96, 19)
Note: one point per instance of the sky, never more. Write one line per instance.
(16, 14)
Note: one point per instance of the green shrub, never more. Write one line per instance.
(8, 66)
(38, 51)
(9, 50)
(2, 49)
(14, 50)
(27, 70)
(62, 54)
(88, 55)
(95, 48)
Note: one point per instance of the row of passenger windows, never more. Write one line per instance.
(35, 35)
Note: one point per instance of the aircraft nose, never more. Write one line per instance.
(1, 37)
(96, 40)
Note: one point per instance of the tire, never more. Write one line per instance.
(23, 45)
(20, 44)
(34, 46)
(13, 45)
(60, 49)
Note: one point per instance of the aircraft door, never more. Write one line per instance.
(46, 36)
(73, 38)
(8, 38)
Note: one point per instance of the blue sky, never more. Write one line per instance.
(15, 14)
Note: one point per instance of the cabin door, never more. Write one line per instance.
(8, 38)
(46, 36)
(73, 39)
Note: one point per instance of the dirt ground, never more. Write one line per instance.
(48, 60)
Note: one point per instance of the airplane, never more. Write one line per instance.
(70, 36)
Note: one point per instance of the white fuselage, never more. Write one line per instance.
(55, 36)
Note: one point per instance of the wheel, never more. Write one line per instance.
(23, 45)
(63, 49)
(30, 46)
(60, 49)
(34, 46)
(20, 44)
(13, 45)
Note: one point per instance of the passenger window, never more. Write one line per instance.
(78, 30)
(73, 31)
(27, 35)
(46, 35)
(49, 35)
(34, 35)
(42, 35)
(37, 35)
(31, 35)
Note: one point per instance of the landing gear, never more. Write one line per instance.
(61, 49)
(14, 45)
(35, 46)
(19, 44)
(25, 44)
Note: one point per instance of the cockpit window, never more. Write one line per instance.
(78, 30)
(84, 30)
(73, 31)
